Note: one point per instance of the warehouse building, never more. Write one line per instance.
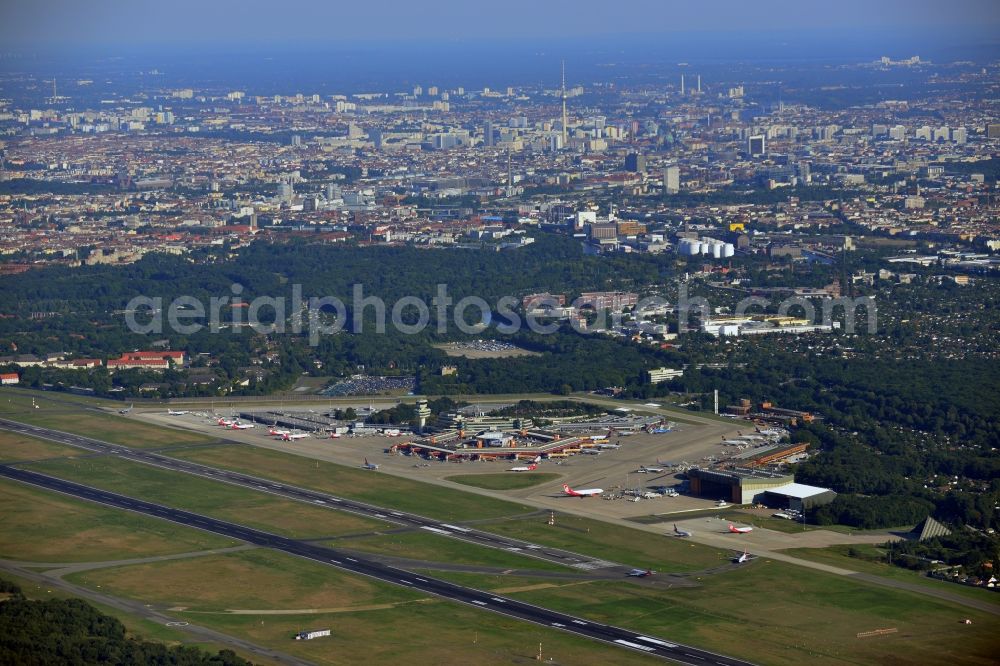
(738, 485)
(797, 496)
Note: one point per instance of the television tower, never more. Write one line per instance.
(565, 140)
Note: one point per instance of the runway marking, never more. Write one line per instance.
(580, 622)
(655, 641)
(634, 645)
(432, 529)
(455, 527)
(477, 601)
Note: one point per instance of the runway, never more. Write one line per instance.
(331, 557)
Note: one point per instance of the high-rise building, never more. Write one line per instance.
(897, 133)
(959, 135)
(635, 163)
(488, 133)
(296, 140)
(756, 144)
(672, 179)
(418, 91)
(993, 131)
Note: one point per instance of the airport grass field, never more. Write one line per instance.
(41, 526)
(774, 613)
(366, 486)
(838, 556)
(267, 597)
(74, 414)
(16, 447)
(220, 500)
(612, 542)
(503, 481)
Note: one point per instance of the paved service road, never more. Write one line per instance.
(359, 565)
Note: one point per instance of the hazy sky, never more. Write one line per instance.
(52, 23)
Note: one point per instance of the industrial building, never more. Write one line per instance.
(738, 485)
(756, 486)
(797, 496)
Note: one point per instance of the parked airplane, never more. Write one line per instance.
(334, 435)
(739, 530)
(236, 425)
(181, 412)
(740, 559)
(368, 465)
(640, 573)
(585, 492)
(292, 436)
(651, 470)
(120, 411)
(275, 432)
(683, 534)
(524, 468)
(223, 421)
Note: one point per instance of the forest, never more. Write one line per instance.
(71, 631)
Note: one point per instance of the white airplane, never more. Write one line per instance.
(275, 432)
(391, 432)
(177, 413)
(292, 436)
(640, 573)
(223, 421)
(368, 465)
(652, 470)
(740, 559)
(681, 533)
(236, 425)
(585, 492)
(334, 435)
(120, 411)
(524, 468)
(739, 530)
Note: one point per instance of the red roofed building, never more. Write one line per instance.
(9, 378)
(147, 360)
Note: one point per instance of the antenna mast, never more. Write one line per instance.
(565, 139)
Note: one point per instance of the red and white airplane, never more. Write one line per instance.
(334, 435)
(584, 492)
(223, 421)
(241, 426)
(739, 530)
(292, 436)
(275, 432)
(524, 468)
